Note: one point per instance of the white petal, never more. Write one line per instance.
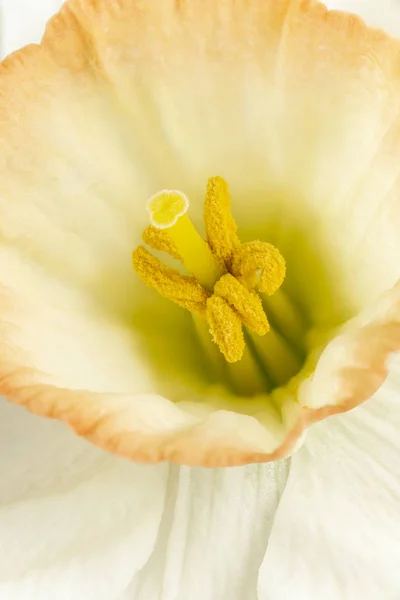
(336, 534)
(39, 457)
(213, 535)
(74, 521)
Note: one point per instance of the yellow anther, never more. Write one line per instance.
(261, 265)
(220, 225)
(166, 207)
(160, 240)
(247, 303)
(225, 328)
(171, 284)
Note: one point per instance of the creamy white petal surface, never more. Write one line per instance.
(74, 522)
(213, 535)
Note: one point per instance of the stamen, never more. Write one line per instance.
(280, 361)
(160, 240)
(215, 359)
(168, 212)
(247, 304)
(220, 225)
(221, 293)
(246, 377)
(226, 328)
(259, 264)
(169, 283)
(283, 312)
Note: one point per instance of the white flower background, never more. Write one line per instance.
(76, 523)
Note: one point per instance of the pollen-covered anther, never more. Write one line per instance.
(261, 265)
(225, 328)
(246, 302)
(221, 227)
(169, 283)
(158, 239)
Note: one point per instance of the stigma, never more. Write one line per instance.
(225, 281)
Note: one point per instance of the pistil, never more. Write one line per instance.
(167, 211)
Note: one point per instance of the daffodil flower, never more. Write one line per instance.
(80, 523)
(291, 302)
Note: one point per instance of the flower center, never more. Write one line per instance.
(229, 290)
